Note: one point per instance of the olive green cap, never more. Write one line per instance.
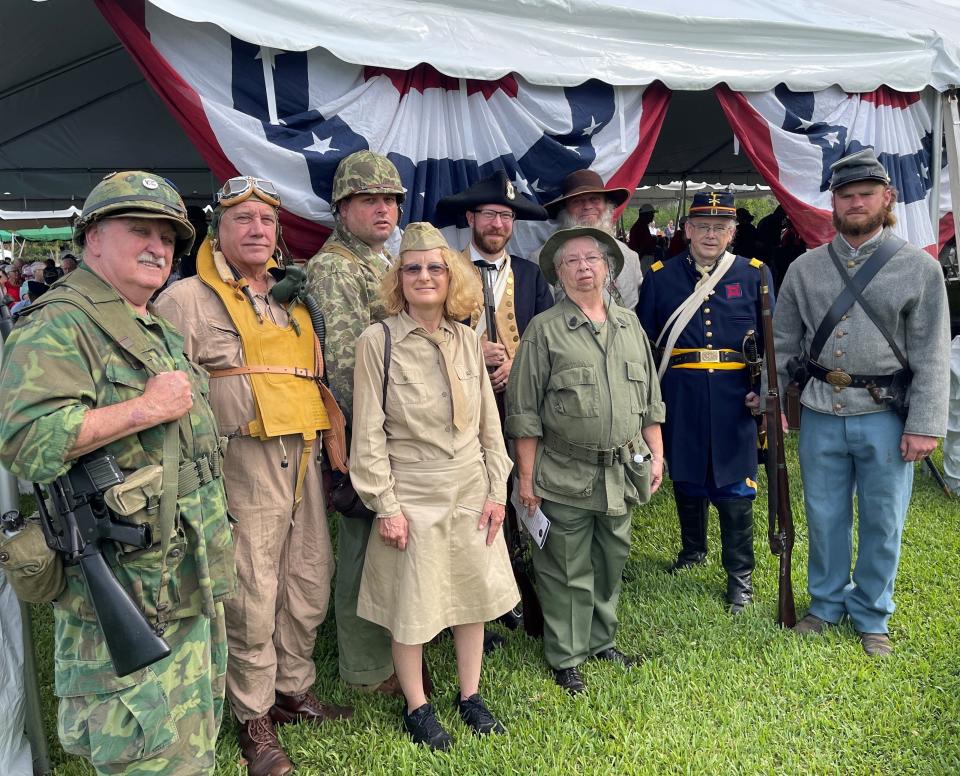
(421, 236)
(561, 236)
(366, 172)
(139, 195)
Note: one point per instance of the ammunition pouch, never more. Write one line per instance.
(894, 395)
(34, 570)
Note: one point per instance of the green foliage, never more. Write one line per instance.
(760, 207)
(716, 695)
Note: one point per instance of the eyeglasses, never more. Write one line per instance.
(237, 190)
(711, 228)
(492, 215)
(434, 269)
(574, 261)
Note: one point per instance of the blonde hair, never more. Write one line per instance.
(464, 291)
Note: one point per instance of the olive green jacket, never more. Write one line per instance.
(595, 390)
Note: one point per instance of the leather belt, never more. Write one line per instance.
(593, 455)
(707, 357)
(839, 378)
(264, 370)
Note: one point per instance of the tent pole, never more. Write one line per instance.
(935, 163)
(951, 127)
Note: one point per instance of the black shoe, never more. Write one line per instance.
(570, 680)
(614, 655)
(687, 561)
(492, 641)
(424, 729)
(476, 715)
(512, 619)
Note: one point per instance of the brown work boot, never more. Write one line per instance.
(811, 624)
(306, 707)
(391, 685)
(876, 644)
(261, 748)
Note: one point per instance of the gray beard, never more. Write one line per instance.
(605, 224)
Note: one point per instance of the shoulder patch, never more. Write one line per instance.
(756, 263)
(656, 266)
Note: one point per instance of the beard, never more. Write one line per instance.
(490, 243)
(860, 228)
(604, 222)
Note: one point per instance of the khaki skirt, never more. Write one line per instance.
(447, 575)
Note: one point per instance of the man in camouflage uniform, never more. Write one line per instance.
(67, 388)
(345, 277)
(261, 358)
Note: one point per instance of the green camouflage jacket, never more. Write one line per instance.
(57, 365)
(348, 294)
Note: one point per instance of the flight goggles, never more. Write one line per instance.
(237, 190)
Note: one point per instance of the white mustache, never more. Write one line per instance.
(152, 261)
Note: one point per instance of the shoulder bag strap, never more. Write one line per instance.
(386, 365)
(852, 286)
(857, 291)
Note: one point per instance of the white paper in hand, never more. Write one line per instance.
(537, 524)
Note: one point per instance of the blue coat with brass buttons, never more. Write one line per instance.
(708, 428)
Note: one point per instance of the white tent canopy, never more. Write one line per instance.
(694, 45)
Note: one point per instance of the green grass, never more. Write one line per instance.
(715, 695)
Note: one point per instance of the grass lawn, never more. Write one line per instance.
(714, 696)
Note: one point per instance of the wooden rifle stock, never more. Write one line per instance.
(516, 546)
(780, 532)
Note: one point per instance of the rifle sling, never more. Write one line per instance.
(852, 291)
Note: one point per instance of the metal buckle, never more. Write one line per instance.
(709, 356)
(300, 371)
(838, 377)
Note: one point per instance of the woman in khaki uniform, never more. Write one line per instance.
(429, 459)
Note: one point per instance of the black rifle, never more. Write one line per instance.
(779, 513)
(516, 546)
(82, 525)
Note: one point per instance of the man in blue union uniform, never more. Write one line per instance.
(698, 309)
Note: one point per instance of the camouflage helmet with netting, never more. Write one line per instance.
(139, 195)
(366, 172)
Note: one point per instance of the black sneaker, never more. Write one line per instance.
(424, 729)
(476, 715)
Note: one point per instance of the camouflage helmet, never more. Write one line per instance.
(140, 195)
(365, 172)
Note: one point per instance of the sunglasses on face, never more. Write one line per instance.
(238, 189)
(434, 269)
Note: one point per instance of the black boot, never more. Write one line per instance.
(692, 512)
(736, 538)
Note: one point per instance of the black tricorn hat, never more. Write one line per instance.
(497, 189)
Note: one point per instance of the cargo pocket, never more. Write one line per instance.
(562, 474)
(637, 377)
(574, 392)
(111, 720)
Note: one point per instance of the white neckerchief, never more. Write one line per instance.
(499, 285)
(680, 317)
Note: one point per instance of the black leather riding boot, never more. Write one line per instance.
(692, 512)
(736, 538)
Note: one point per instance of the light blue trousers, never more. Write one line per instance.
(840, 456)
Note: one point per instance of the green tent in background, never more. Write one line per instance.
(43, 234)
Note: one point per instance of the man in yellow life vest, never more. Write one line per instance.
(264, 360)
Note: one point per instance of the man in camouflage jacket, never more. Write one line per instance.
(68, 388)
(345, 277)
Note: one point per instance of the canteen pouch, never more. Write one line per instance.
(34, 570)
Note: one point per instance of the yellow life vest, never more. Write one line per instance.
(281, 362)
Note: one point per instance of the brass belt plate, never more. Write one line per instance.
(709, 356)
(839, 378)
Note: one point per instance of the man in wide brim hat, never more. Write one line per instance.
(586, 202)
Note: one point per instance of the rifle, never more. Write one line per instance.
(532, 612)
(779, 514)
(81, 526)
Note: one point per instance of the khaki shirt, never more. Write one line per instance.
(596, 390)
(418, 423)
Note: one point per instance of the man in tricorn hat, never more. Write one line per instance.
(698, 309)
(489, 208)
(586, 201)
(865, 422)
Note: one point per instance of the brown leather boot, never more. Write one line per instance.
(391, 685)
(305, 707)
(261, 748)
